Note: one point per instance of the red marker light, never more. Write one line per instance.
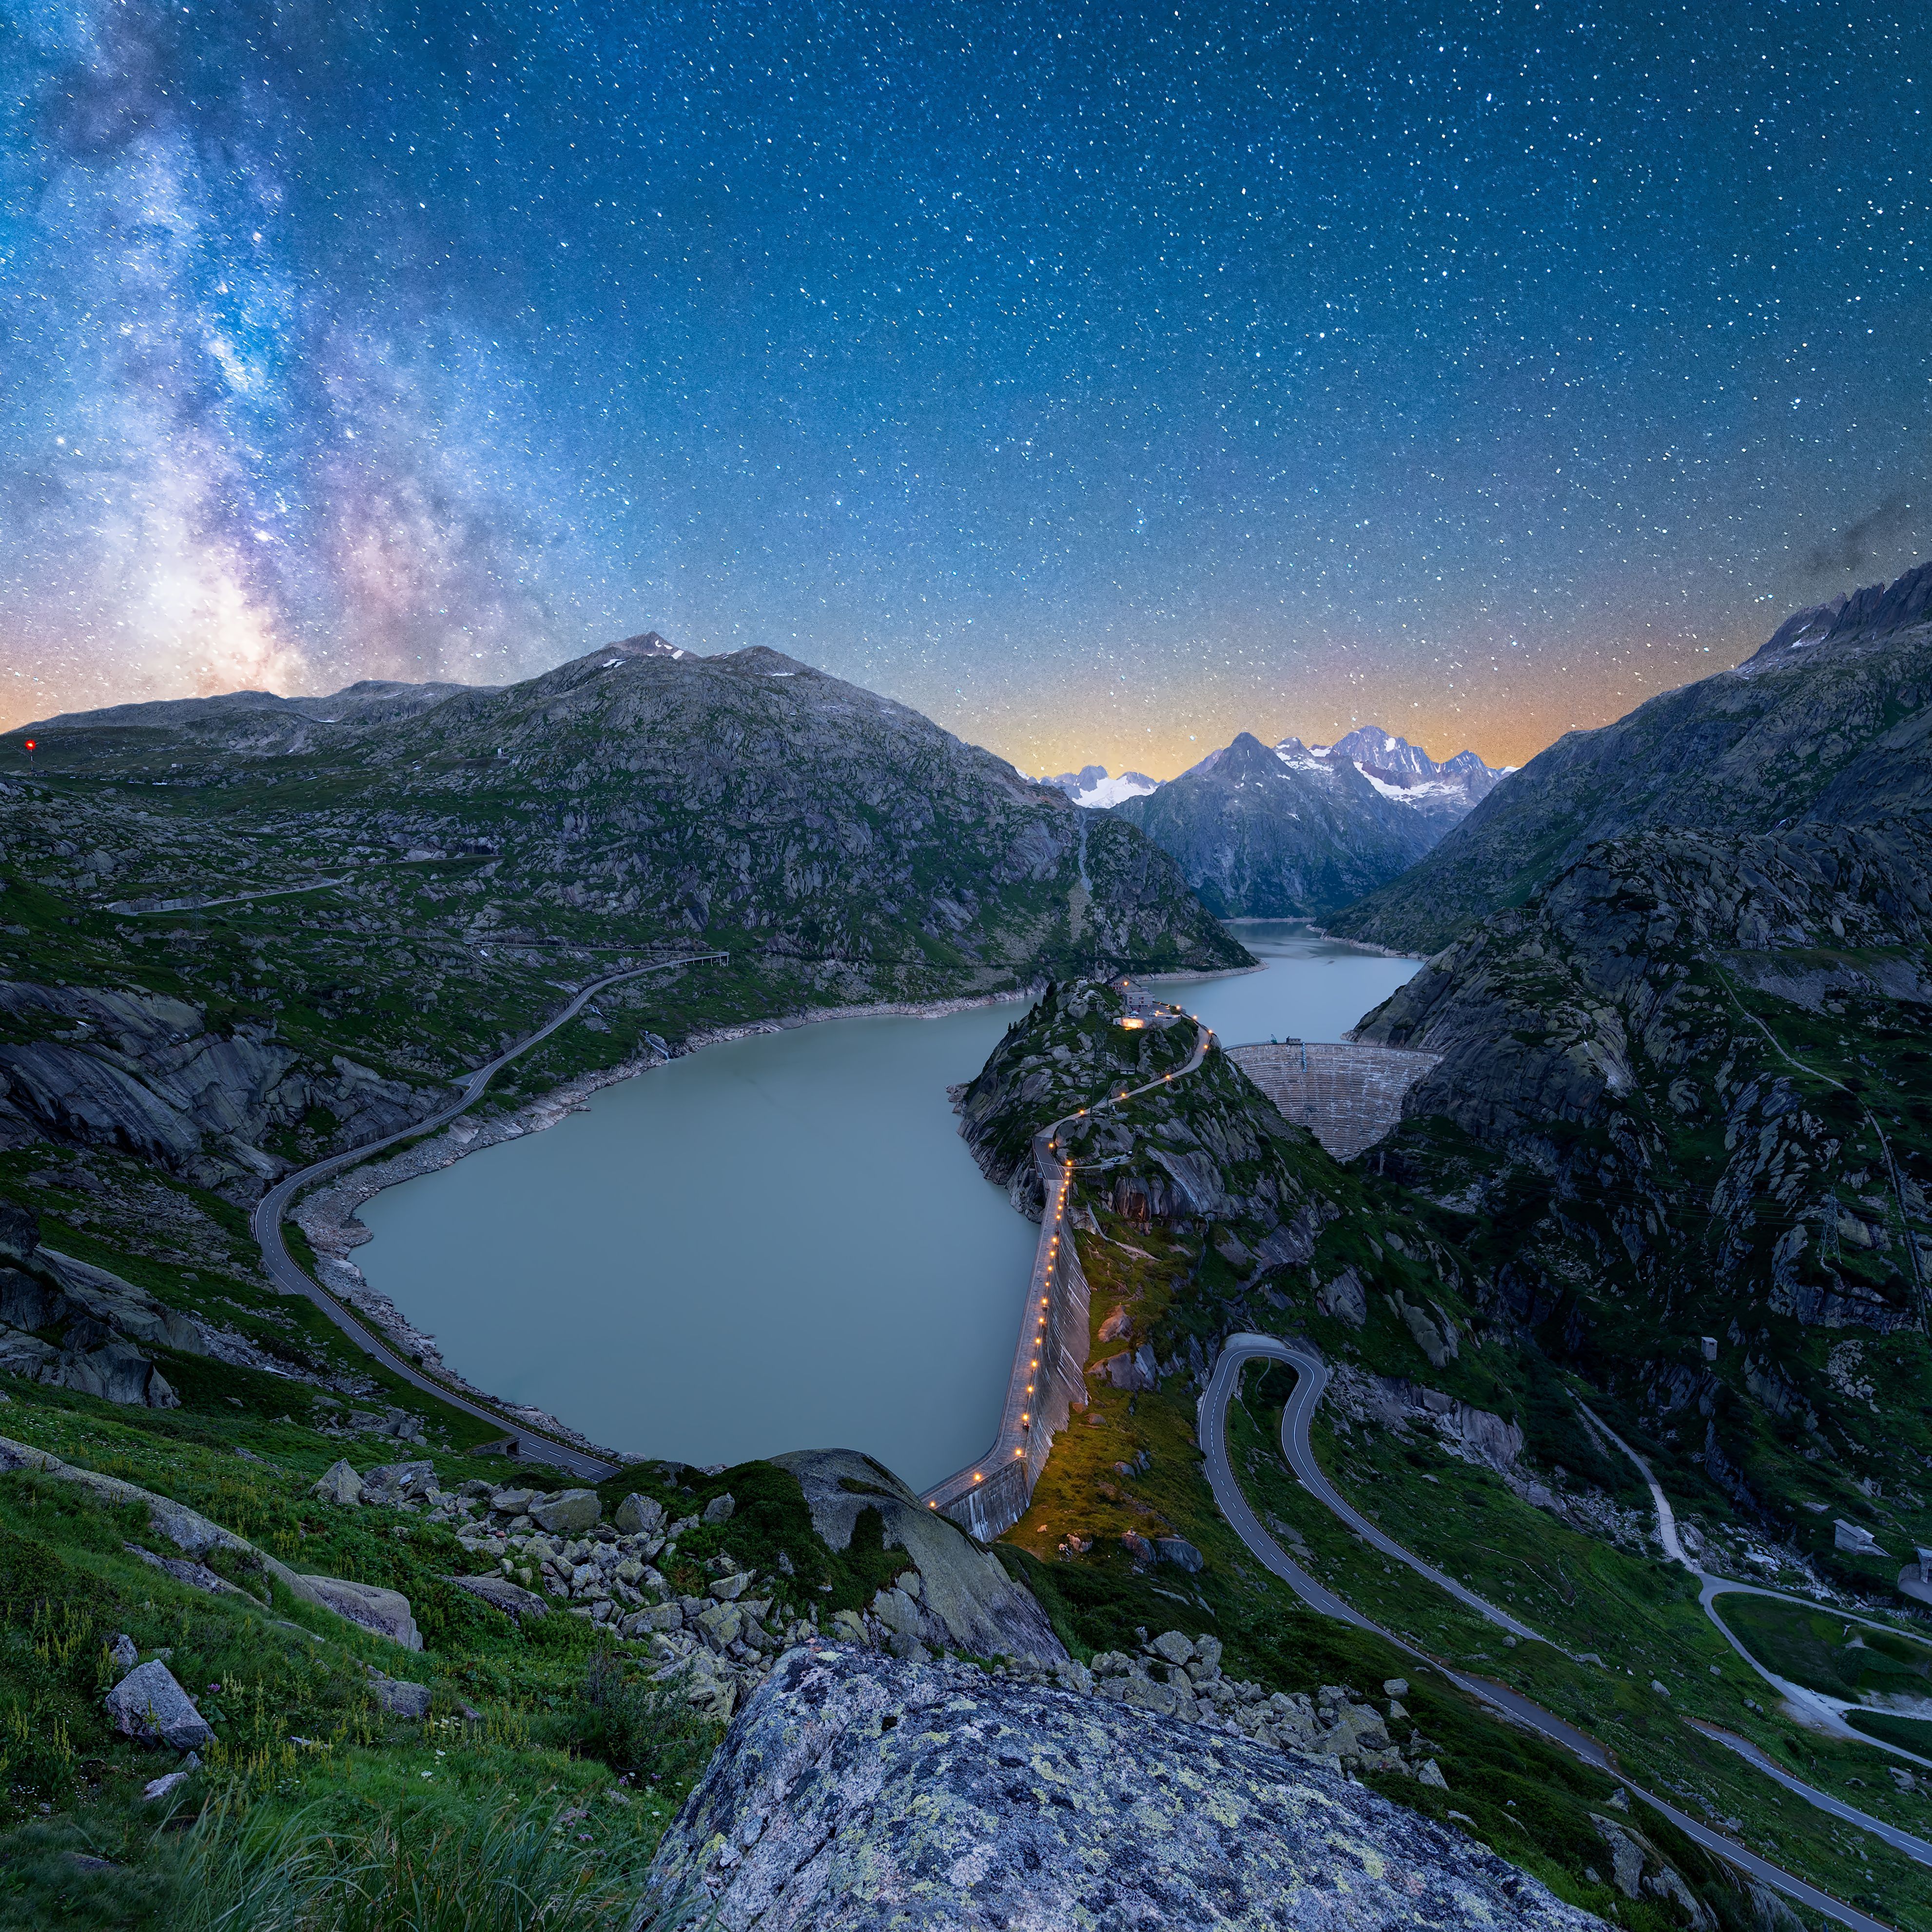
(30, 743)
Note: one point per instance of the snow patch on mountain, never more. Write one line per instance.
(1300, 758)
(1399, 771)
(1092, 788)
(647, 644)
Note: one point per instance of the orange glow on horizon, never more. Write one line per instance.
(1505, 704)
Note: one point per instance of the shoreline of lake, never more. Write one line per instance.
(642, 1209)
(329, 1215)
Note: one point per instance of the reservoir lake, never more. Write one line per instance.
(779, 1242)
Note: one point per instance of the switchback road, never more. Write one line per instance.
(1824, 1713)
(1241, 1349)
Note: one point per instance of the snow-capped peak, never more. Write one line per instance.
(1398, 770)
(1092, 788)
(1300, 758)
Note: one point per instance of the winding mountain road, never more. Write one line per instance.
(128, 909)
(1813, 1707)
(292, 1278)
(1311, 1381)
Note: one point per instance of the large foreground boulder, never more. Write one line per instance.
(854, 1792)
(148, 1705)
(967, 1601)
(569, 1513)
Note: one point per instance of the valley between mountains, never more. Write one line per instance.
(1650, 1222)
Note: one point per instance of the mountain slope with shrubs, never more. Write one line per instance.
(235, 932)
(1690, 1079)
(564, 1665)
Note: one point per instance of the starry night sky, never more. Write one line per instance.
(1101, 379)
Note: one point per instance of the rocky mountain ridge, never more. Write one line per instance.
(242, 926)
(746, 794)
(1290, 832)
(1829, 722)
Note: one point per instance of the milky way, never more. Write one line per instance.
(1102, 380)
(238, 449)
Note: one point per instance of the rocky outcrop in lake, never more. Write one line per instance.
(1209, 1147)
(857, 1791)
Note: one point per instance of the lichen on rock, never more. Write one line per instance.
(857, 1793)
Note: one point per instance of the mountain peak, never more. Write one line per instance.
(1091, 786)
(1396, 768)
(1295, 831)
(648, 644)
(1859, 617)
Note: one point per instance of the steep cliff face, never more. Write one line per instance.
(144, 1075)
(1296, 832)
(68, 1325)
(1542, 1014)
(1831, 722)
(1682, 1103)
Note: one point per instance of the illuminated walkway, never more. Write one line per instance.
(1049, 1371)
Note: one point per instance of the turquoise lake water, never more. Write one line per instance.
(1314, 988)
(779, 1243)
